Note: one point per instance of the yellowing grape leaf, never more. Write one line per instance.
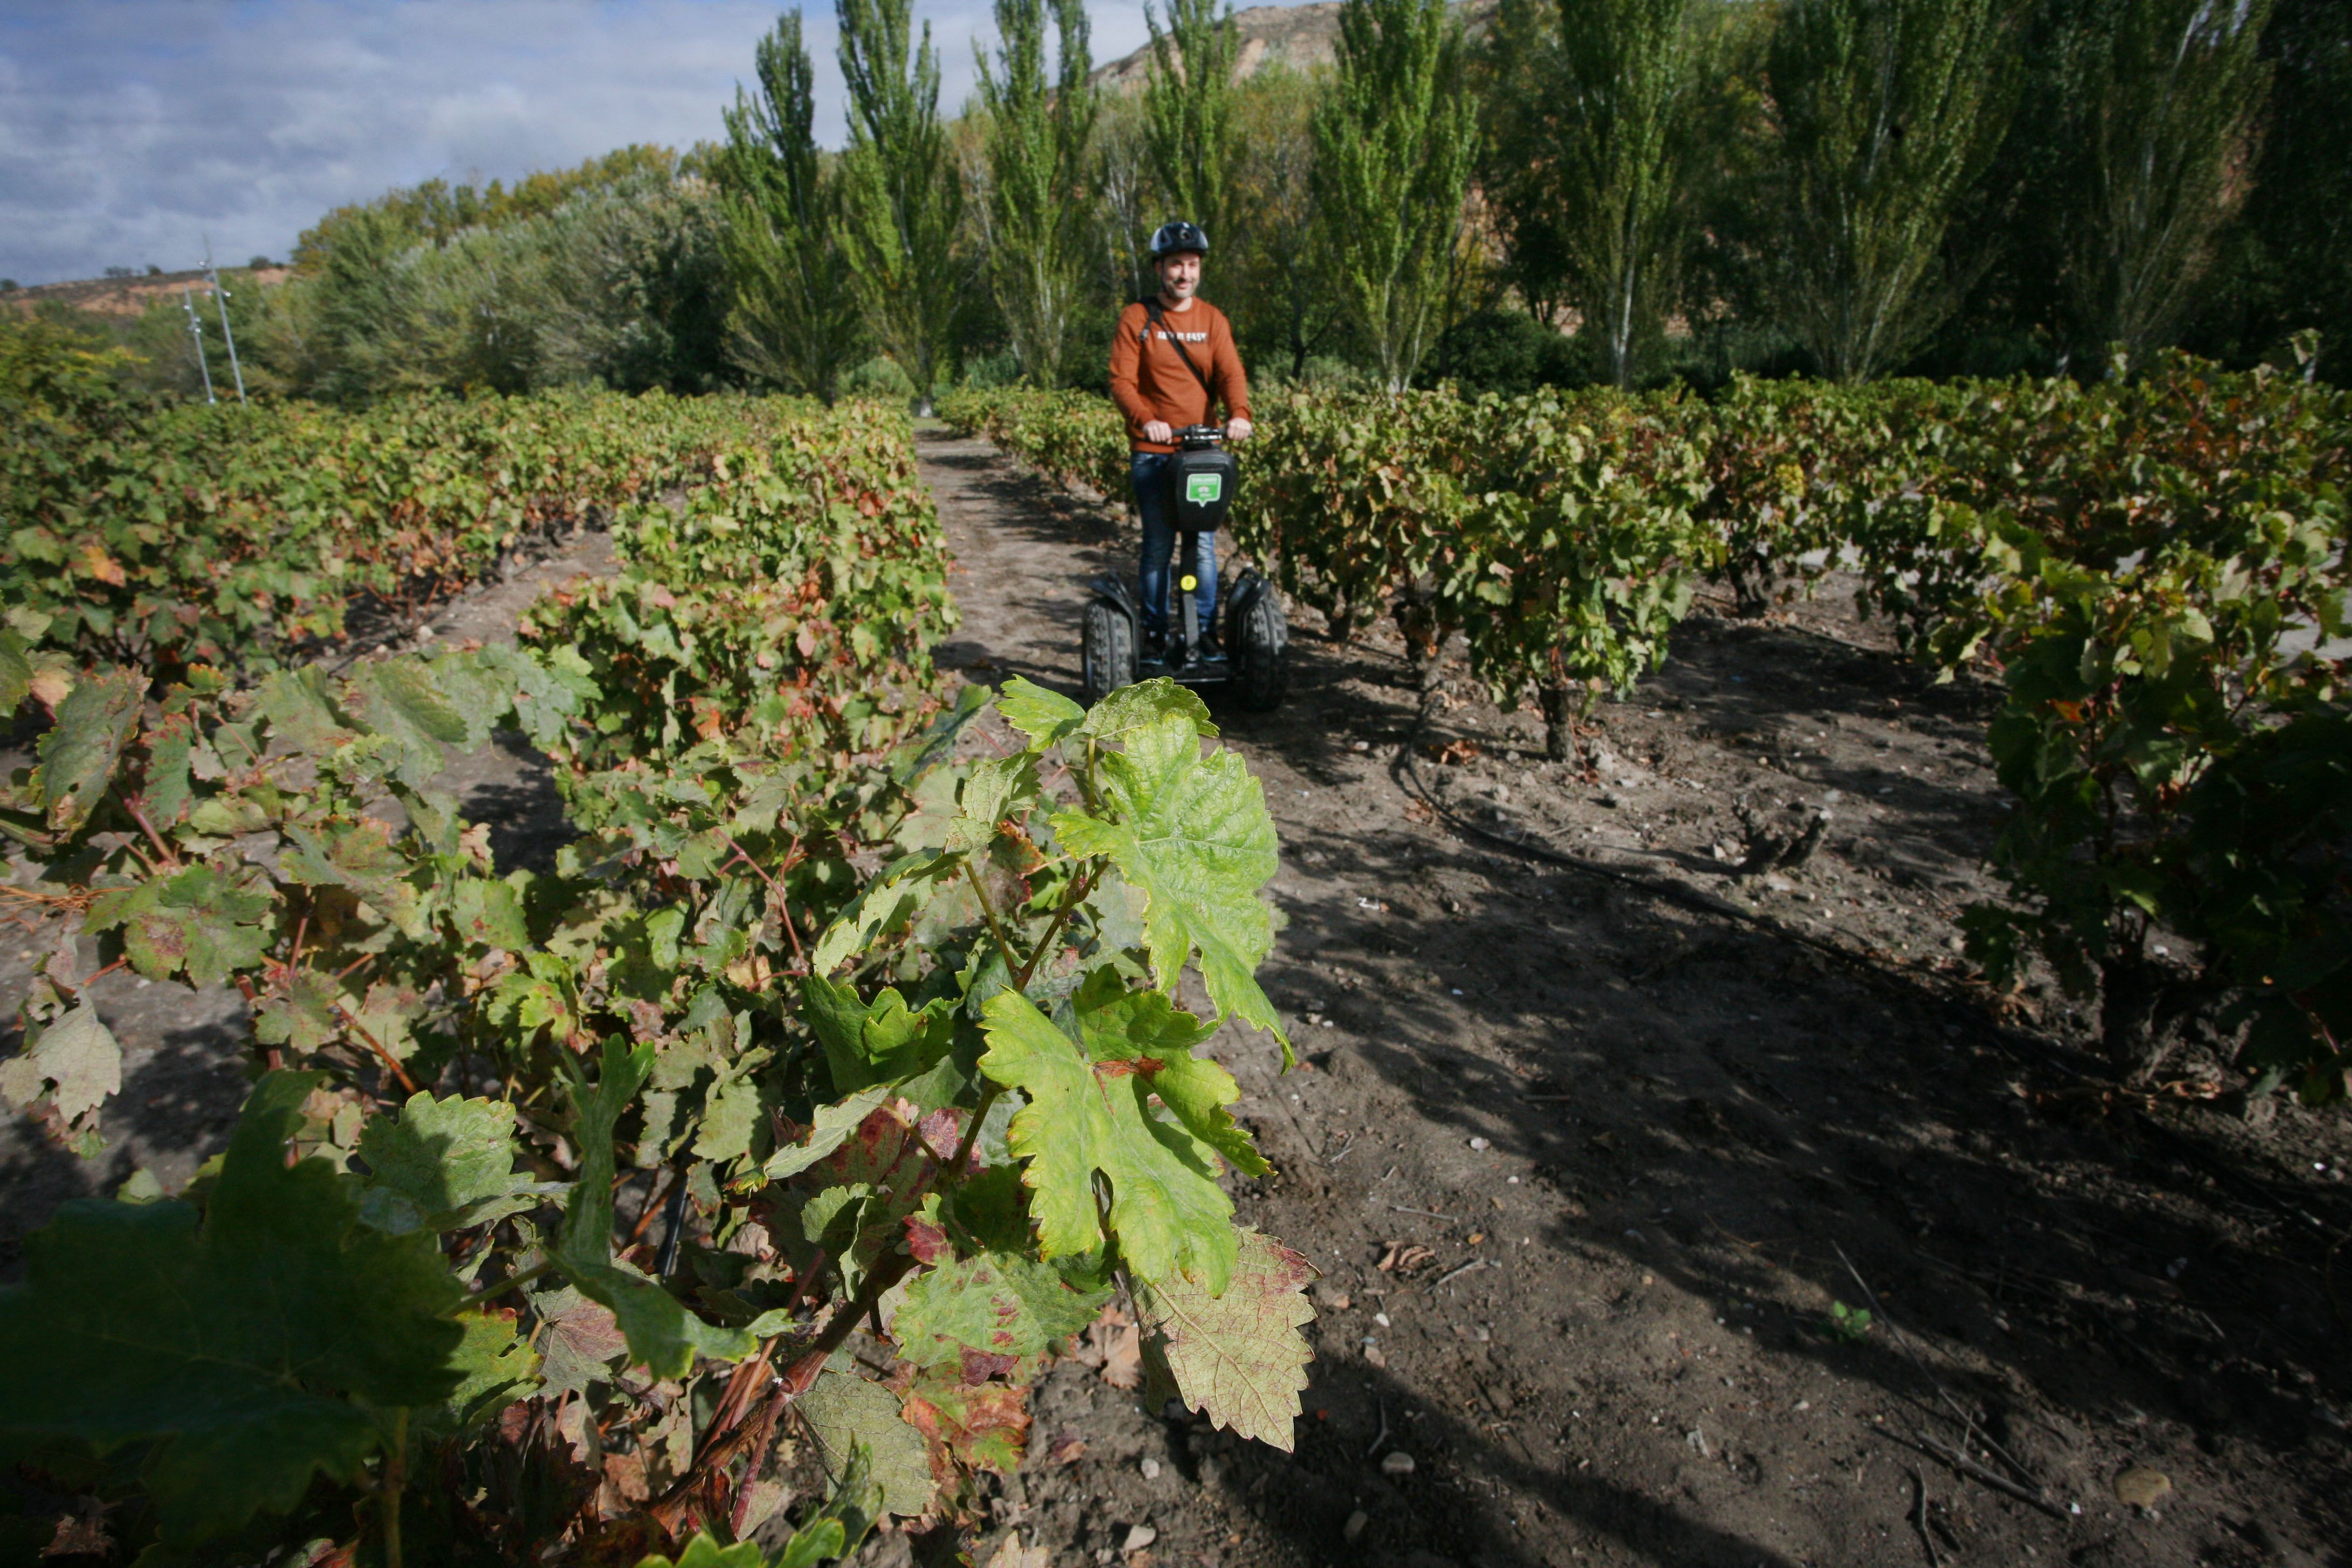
(77, 1059)
(998, 1304)
(844, 1411)
(251, 1347)
(1238, 1357)
(1194, 833)
(982, 1425)
(196, 920)
(1087, 1115)
(78, 753)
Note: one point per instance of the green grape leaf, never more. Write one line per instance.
(889, 901)
(1086, 1114)
(1044, 716)
(443, 1164)
(661, 1332)
(1237, 1356)
(304, 1015)
(937, 741)
(999, 1304)
(77, 1061)
(496, 1369)
(196, 918)
(829, 1127)
(817, 1542)
(842, 1409)
(400, 699)
(358, 855)
(705, 1552)
(300, 708)
(1194, 833)
(15, 673)
(246, 1347)
(1131, 707)
(992, 790)
(1115, 1023)
(882, 1042)
(78, 753)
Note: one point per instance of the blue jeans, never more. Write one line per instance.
(1148, 472)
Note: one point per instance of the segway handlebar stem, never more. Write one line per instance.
(1192, 438)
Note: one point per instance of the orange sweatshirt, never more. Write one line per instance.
(1146, 382)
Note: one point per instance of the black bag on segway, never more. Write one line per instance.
(1202, 484)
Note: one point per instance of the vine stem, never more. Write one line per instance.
(544, 1265)
(988, 912)
(395, 1477)
(1045, 944)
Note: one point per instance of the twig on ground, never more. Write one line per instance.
(1470, 1267)
(1975, 1472)
(1425, 1214)
(1384, 1429)
(1919, 1518)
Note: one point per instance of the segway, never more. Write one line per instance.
(1202, 482)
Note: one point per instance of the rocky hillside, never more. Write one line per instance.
(1299, 36)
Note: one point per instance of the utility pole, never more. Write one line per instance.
(196, 331)
(220, 298)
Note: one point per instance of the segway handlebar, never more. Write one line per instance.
(1194, 437)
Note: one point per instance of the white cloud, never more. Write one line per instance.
(128, 129)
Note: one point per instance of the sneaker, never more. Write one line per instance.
(1209, 647)
(1155, 648)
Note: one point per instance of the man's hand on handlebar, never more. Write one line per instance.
(1238, 429)
(1159, 432)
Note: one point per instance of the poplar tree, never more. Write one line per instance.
(793, 320)
(2166, 94)
(1394, 142)
(902, 195)
(1631, 71)
(1887, 111)
(1041, 198)
(1188, 105)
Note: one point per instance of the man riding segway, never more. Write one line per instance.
(1172, 359)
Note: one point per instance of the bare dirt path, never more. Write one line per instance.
(1585, 1160)
(184, 1051)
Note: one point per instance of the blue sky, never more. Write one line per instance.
(131, 127)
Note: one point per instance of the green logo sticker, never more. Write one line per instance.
(1204, 488)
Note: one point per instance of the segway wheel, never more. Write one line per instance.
(1109, 653)
(1263, 644)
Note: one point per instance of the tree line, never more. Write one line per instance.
(1533, 192)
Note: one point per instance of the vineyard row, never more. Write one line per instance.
(2153, 568)
(544, 1232)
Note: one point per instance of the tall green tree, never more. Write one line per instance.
(1631, 74)
(2166, 95)
(1394, 142)
(1292, 309)
(2301, 209)
(902, 192)
(1040, 213)
(1519, 75)
(1188, 106)
(793, 320)
(1887, 111)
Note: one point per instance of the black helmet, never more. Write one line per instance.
(1177, 234)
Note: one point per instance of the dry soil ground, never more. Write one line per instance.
(1594, 1133)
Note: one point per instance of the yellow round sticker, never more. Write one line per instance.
(1189, 583)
